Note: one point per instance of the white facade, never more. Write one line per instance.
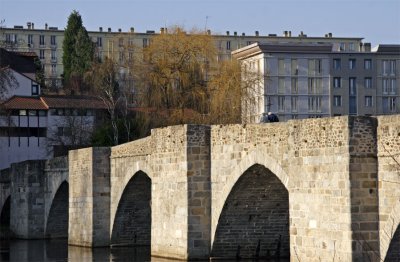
(25, 87)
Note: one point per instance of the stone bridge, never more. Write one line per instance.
(312, 190)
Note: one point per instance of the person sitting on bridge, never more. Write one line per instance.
(272, 117)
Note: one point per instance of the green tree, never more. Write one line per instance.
(78, 52)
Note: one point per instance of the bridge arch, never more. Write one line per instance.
(390, 237)
(254, 221)
(131, 223)
(5, 213)
(57, 218)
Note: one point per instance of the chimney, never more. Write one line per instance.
(285, 33)
(243, 34)
(367, 47)
(101, 29)
(29, 24)
(235, 33)
(109, 29)
(119, 30)
(208, 32)
(330, 35)
(33, 25)
(132, 30)
(45, 26)
(227, 32)
(290, 33)
(257, 34)
(162, 30)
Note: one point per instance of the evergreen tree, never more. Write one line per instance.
(78, 49)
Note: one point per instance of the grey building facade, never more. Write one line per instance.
(310, 80)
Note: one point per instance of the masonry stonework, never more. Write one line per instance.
(89, 197)
(315, 190)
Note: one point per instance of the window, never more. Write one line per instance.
(389, 104)
(314, 103)
(351, 46)
(294, 67)
(53, 40)
(337, 64)
(121, 42)
(337, 101)
(22, 112)
(392, 89)
(352, 63)
(337, 82)
(145, 42)
(228, 45)
(281, 64)
(389, 67)
(294, 103)
(53, 69)
(281, 103)
(352, 86)
(41, 54)
(32, 112)
(99, 42)
(295, 87)
(367, 64)
(54, 55)
(368, 101)
(389, 86)
(30, 39)
(11, 38)
(281, 85)
(121, 56)
(342, 46)
(314, 67)
(41, 39)
(314, 85)
(368, 82)
(35, 89)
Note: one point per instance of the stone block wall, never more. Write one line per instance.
(312, 160)
(27, 201)
(199, 191)
(169, 192)
(388, 134)
(89, 197)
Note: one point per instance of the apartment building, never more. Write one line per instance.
(307, 80)
(122, 46)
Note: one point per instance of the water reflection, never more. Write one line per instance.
(58, 250)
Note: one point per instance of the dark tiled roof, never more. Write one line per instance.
(389, 49)
(48, 102)
(73, 102)
(22, 63)
(22, 102)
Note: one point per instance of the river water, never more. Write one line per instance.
(58, 250)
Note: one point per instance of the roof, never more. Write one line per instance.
(20, 62)
(258, 48)
(73, 102)
(48, 102)
(395, 49)
(21, 102)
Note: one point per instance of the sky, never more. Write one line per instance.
(377, 21)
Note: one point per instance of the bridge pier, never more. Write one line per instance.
(89, 197)
(27, 201)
